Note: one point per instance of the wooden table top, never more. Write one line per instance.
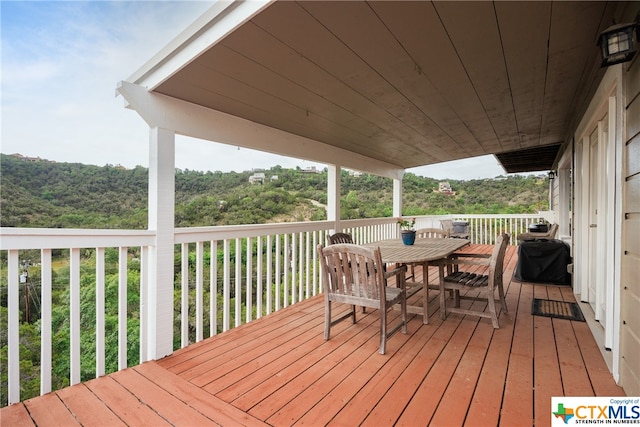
(423, 250)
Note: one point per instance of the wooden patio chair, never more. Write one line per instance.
(335, 238)
(354, 275)
(482, 286)
(447, 225)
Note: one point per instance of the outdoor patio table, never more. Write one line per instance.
(423, 252)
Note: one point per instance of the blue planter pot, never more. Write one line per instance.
(408, 237)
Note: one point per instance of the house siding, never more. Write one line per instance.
(630, 286)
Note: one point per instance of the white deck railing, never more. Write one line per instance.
(224, 272)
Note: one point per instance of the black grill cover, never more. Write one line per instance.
(538, 228)
(543, 261)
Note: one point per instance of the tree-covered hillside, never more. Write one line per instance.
(72, 195)
(49, 194)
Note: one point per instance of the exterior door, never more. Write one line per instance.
(593, 220)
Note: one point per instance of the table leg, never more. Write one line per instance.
(425, 293)
(443, 303)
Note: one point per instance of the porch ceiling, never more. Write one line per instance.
(408, 83)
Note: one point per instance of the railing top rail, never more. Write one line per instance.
(53, 238)
(532, 216)
(37, 238)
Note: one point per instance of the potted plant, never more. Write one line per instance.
(407, 232)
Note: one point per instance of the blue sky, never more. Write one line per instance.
(61, 61)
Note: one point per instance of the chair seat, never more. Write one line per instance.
(468, 279)
(392, 294)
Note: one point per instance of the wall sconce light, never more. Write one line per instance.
(552, 175)
(619, 43)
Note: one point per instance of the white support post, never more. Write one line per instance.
(161, 219)
(333, 195)
(397, 197)
(564, 194)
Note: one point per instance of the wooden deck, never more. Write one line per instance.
(279, 371)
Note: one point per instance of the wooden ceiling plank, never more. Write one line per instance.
(474, 33)
(226, 94)
(303, 34)
(525, 50)
(402, 22)
(238, 67)
(571, 51)
(372, 41)
(422, 35)
(412, 83)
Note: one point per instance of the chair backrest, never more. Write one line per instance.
(339, 238)
(496, 265)
(553, 230)
(352, 274)
(447, 225)
(431, 233)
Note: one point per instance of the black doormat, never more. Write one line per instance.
(556, 309)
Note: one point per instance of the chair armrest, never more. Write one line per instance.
(400, 273)
(396, 271)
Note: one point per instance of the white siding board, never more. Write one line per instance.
(632, 89)
(632, 188)
(632, 385)
(630, 285)
(633, 117)
(631, 242)
(630, 349)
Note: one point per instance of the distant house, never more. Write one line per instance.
(355, 173)
(257, 178)
(310, 169)
(274, 178)
(26, 158)
(445, 188)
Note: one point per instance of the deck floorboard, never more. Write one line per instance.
(278, 370)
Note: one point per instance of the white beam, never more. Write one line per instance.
(199, 122)
(208, 30)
